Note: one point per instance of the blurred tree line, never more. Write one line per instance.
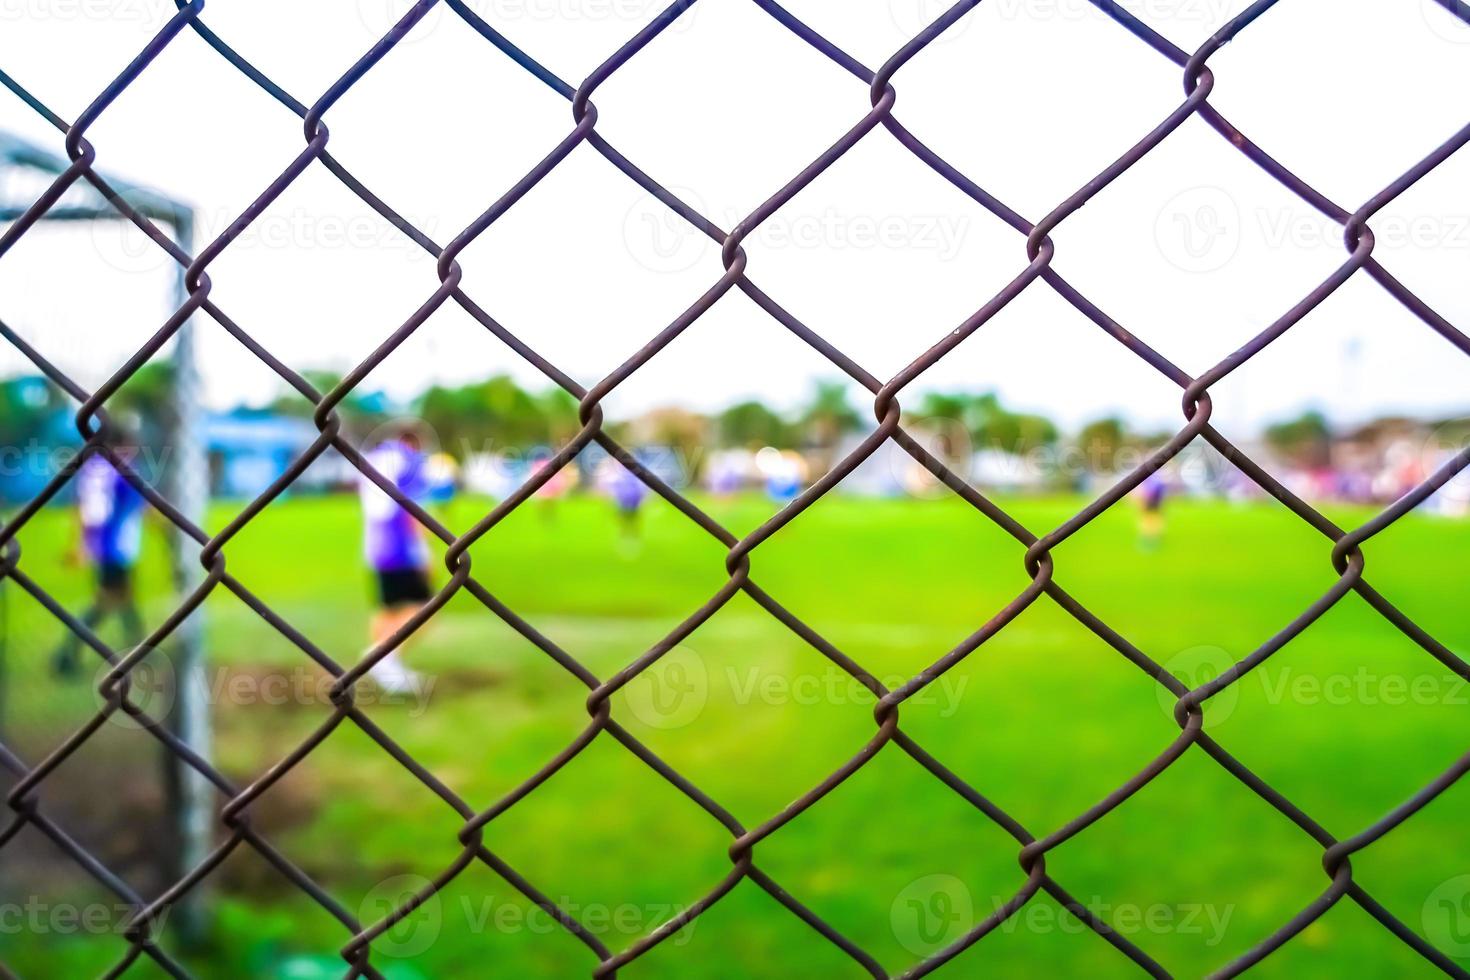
(1305, 441)
(498, 415)
(34, 411)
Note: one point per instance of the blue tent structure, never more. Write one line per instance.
(249, 450)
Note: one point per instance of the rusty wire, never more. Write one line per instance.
(1345, 551)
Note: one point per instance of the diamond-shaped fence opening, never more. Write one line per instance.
(213, 811)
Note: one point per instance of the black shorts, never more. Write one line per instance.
(402, 586)
(112, 577)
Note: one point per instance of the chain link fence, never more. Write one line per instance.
(235, 830)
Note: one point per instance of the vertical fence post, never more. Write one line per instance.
(188, 792)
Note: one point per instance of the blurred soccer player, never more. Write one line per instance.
(784, 472)
(1151, 494)
(556, 486)
(394, 547)
(110, 517)
(628, 492)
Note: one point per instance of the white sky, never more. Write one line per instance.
(1195, 250)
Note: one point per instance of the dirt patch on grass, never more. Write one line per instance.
(110, 799)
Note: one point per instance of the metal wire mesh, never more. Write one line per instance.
(235, 814)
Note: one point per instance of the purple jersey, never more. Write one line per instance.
(627, 489)
(1153, 490)
(392, 540)
(112, 513)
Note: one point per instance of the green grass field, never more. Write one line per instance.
(1348, 720)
